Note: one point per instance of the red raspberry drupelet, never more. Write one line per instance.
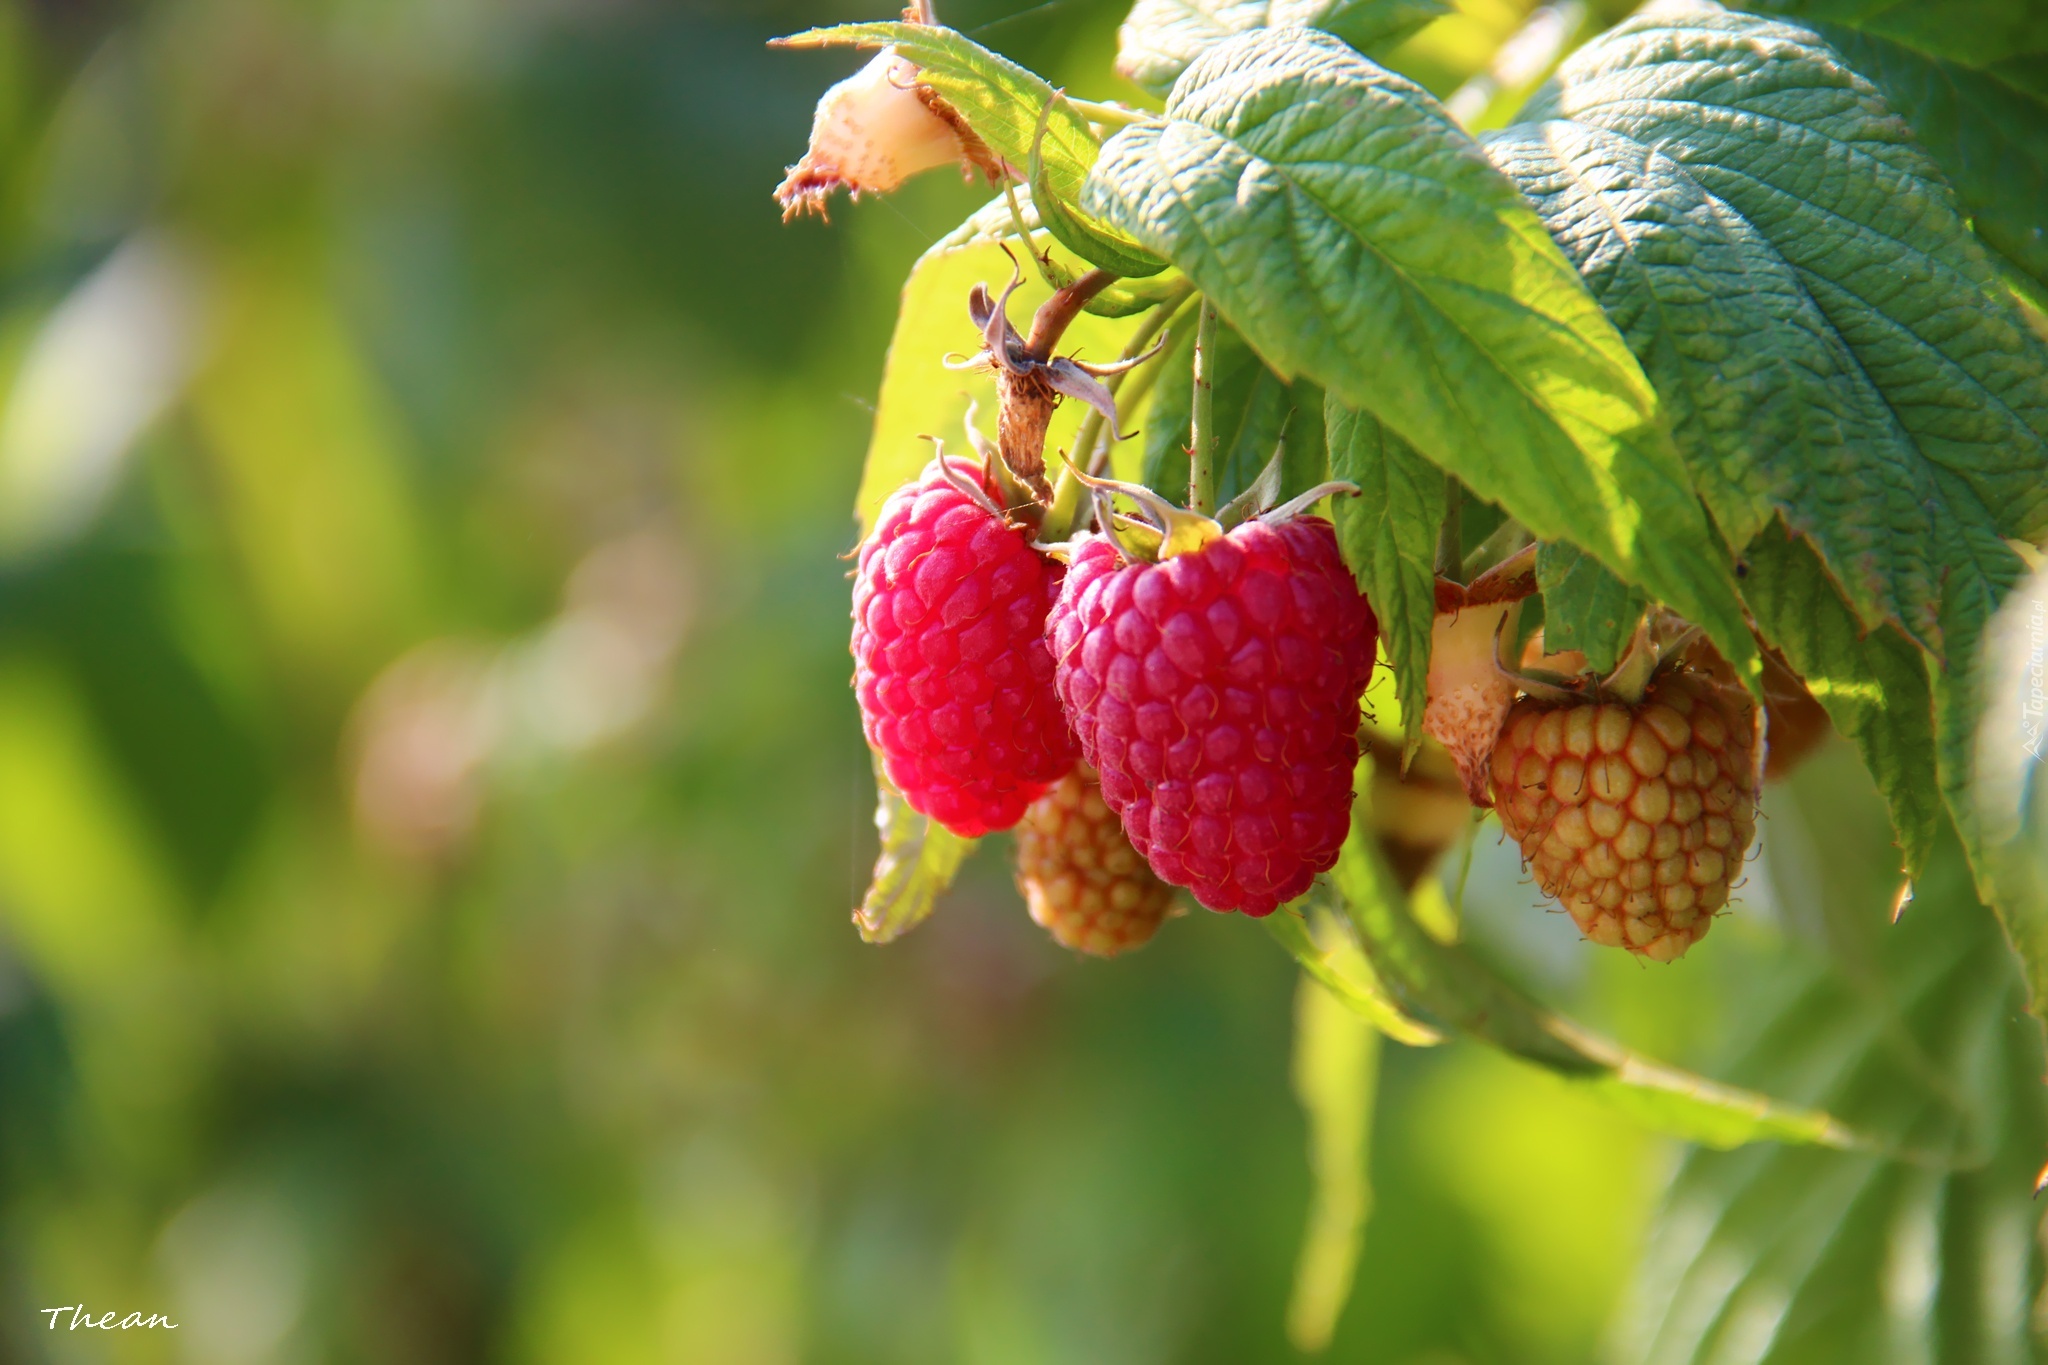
(1217, 694)
(949, 656)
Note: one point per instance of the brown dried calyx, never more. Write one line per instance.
(1030, 381)
(876, 129)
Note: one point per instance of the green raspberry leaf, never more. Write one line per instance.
(1585, 607)
(1985, 127)
(1873, 686)
(1887, 398)
(918, 861)
(1388, 535)
(1161, 37)
(1002, 102)
(1354, 234)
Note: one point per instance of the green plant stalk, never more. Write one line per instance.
(1202, 433)
(1450, 536)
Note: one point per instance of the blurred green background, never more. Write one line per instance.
(431, 801)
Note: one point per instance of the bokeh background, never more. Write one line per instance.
(431, 802)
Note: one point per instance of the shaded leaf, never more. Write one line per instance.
(1873, 687)
(1354, 234)
(1974, 32)
(917, 863)
(1336, 1075)
(1985, 128)
(1585, 607)
(1388, 534)
(1161, 37)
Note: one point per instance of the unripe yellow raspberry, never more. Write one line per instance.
(1081, 878)
(1635, 818)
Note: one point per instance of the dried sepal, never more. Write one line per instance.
(876, 129)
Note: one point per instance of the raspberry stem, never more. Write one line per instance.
(1202, 432)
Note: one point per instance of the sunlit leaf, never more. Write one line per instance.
(917, 862)
(1323, 940)
(1161, 37)
(1354, 234)
(1336, 1073)
(2010, 782)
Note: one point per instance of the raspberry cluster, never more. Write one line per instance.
(1217, 694)
(1081, 878)
(950, 662)
(1635, 818)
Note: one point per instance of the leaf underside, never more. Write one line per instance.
(917, 862)
(1354, 234)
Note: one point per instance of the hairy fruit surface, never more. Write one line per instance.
(1635, 818)
(950, 664)
(1217, 694)
(1083, 881)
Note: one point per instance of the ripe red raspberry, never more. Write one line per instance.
(1080, 876)
(1217, 694)
(1635, 818)
(950, 663)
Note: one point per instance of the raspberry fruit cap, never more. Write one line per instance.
(950, 664)
(1217, 694)
(1083, 882)
(1635, 817)
(1469, 696)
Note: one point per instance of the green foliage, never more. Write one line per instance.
(1836, 293)
(918, 860)
(2009, 795)
(1018, 114)
(1986, 127)
(1773, 1255)
(1388, 534)
(1161, 37)
(1336, 1075)
(1585, 607)
(1289, 168)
